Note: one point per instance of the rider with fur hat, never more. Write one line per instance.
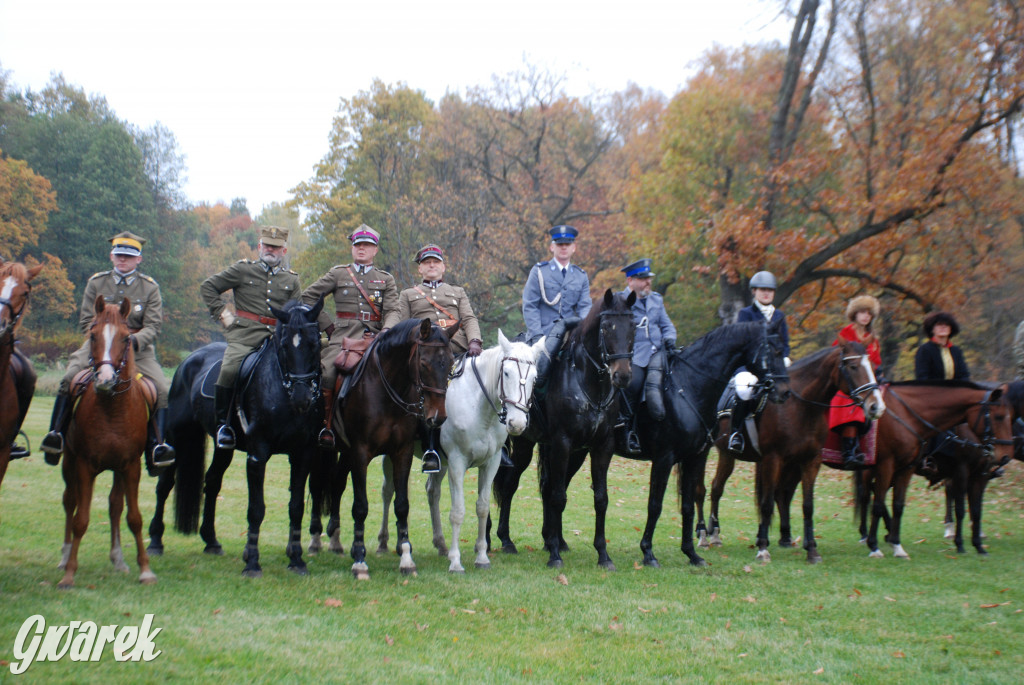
(846, 418)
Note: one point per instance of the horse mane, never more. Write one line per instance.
(110, 314)
(958, 383)
(16, 269)
(710, 340)
(398, 336)
(592, 319)
(812, 358)
(1015, 392)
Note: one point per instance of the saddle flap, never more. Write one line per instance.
(352, 351)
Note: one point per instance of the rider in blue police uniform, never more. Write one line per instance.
(654, 335)
(762, 285)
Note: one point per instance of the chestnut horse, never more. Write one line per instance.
(15, 287)
(107, 433)
(916, 411)
(402, 381)
(790, 437)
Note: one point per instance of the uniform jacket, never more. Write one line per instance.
(752, 313)
(412, 304)
(1018, 350)
(928, 364)
(653, 327)
(146, 316)
(562, 296)
(870, 343)
(255, 287)
(378, 284)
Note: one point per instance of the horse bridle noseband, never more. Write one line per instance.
(988, 436)
(121, 385)
(603, 368)
(311, 378)
(858, 396)
(521, 404)
(410, 408)
(16, 316)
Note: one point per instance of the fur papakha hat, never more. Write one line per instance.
(863, 303)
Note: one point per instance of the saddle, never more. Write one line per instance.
(352, 351)
(83, 379)
(245, 373)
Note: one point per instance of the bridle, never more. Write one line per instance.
(988, 437)
(291, 378)
(524, 400)
(121, 385)
(858, 395)
(15, 315)
(603, 370)
(410, 408)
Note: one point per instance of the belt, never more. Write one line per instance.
(360, 316)
(445, 323)
(256, 317)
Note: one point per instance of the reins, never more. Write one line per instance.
(410, 408)
(602, 368)
(502, 397)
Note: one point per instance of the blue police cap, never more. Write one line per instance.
(563, 234)
(641, 268)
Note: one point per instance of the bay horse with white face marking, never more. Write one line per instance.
(15, 287)
(917, 411)
(790, 437)
(107, 433)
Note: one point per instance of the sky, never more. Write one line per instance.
(250, 87)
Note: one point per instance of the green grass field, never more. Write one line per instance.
(939, 617)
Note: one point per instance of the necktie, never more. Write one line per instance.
(563, 272)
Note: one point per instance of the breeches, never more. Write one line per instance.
(233, 356)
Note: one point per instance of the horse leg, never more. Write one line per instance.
(955, 490)
(949, 523)
(783, 503)
(214, 480)
(433, 488)
(115, 505)
(387, 493)
(576, 460)
(402, 466)
(702, 528)
(164, 484)
(554, 459)
(690, 472)
(339, 480)
(299, 463)
(70, 501)
(130, 481)
(975, 494)
(899, 501)
(316, 525)
(506, 483)
(255, 475)
(766, 481)
(485, 474)
(661, 470)
(809, 476)
(80, 523)
(456, 485)
(360, 508)
(726, 465)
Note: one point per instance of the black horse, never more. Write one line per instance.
(695, 379)
(576, 415)
(279, 411)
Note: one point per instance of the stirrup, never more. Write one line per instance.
(633, 443)
(736, 442)
(225, 437)
(326, 438)
(52, 446)
(506, 458)
(431, 462)
(19, 452)
(163, 455)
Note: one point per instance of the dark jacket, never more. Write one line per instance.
(928, 363)
(752, 313)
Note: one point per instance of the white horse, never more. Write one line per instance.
(487, 402)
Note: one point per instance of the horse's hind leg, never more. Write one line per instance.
(338, 482)
(783, 503)
(387, 493)
(975, 494)
(298, 461)
(810, 475)
(164, 484)
(661, 470)
(116, 506)
(726, 465)
(456, 482)
(402, 466)
(506, 483)
(130, 480)
(433, 488)
(255, 475)
(214, 480)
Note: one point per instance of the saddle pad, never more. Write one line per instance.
(208, 386)
(833, 456)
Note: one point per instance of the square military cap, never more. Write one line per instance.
(563, 234)
(127, 243)
(641, 268)
(364, 234)
(275, 236)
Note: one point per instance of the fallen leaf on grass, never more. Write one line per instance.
(889, 599)
(217, 611)
(421, 628)
(993, 606)
(331, 602)
(819, 671)
(898, 654)
(468, 611)
(562, 579)
(749, 598)
(615, 626)
(390, 640)
(637, 566)
(644, 611)
(714, 596)
(747, 569)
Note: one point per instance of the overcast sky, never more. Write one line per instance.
(249, 87)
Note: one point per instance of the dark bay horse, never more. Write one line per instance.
(403, 381)
(575, 416)
(278, 412)
(790, 437)
(107, 433)
(695, 378)
(15, 287)
(917, 411)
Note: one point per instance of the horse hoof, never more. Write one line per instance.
(147, 578)
(764, 556)
(460, 571)
(698, 562)
(313, 550)
(486, 566)
(652, 563)
(982, 553)
(961, 550)
(703, 542)
(382, 551)
(65, 586)
(786, 543)
(298, 569)
(360, 571)
(813, 558)
(408, 570)
(555, 563)
(217, 551)
(252, 573)
(607, 565)
(155, 551)
(442, 551)
(876, 554)
(339, 550)
(509, 548)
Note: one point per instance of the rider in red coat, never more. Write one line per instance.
(845, 417)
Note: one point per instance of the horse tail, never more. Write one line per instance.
(322, 474)
(190, 463)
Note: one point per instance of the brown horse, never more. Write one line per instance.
(403, 381)
(790, 436)
(107, 433)
(15, 287)
(917, 411)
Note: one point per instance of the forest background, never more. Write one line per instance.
(876, 152)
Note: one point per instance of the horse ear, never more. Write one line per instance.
(424, 329)
(100, 304)
(126, 308)
(631, 299)
(450, 331)
(34, 271)
(315, 312)
(997, 394)
(279, 314)
(506, 346)
(609, 297)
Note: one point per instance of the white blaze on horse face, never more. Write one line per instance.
(876, 394)
(10, 283)
(296, 340)
(105, 374)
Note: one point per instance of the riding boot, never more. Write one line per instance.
(736, 421)
(627, 422)
(326, 437)
(222, 409)
(852, 456)
(997, 470)
(652, 387)
(552, 344)
(19, 451)
(158, 453)
(53, 442)
(431, 459)
(25, 385)
(506, 454)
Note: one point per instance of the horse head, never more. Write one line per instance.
(992, 421)
(15, 287)
(769, 363)
(110, 346)
(297, 338)
(856, 378)
(607, 335)
(518, 373)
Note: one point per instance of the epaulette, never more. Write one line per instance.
(545, 263)
(146, 277)
(293, 272)
(578, 268)
(382, 271)
(99, 273)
